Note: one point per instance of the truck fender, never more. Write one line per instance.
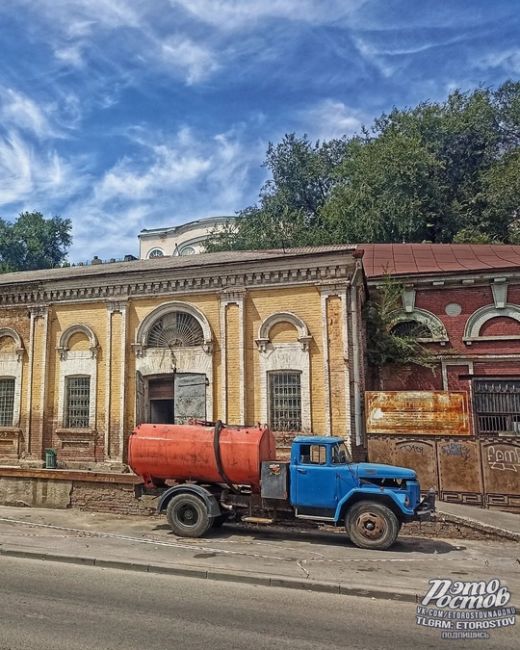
(208, 498)
(375, 495)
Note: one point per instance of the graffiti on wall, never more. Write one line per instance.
(503, 459)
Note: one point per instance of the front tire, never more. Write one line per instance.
(372, 525)
(188, 516)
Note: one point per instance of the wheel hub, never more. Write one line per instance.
(188, 516)
(371, 525)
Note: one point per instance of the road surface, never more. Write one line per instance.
(47, 605)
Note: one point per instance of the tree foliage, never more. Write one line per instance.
(33, 242)
(438, 172)
(384, 344)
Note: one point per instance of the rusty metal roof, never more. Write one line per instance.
(416, 259)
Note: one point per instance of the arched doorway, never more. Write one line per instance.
(173, 366)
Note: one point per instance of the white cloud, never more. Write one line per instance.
(235, 14)
(195, 62)
(70, 55)
(18, 110)
(170, 180)
(507, 59)
(36, 177)
(331, 118)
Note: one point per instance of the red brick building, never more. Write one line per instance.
(464, 302)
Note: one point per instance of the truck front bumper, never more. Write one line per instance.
(426, 507)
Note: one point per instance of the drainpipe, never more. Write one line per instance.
(356, 353)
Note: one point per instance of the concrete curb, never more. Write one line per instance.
(217, 574)
(480, 526)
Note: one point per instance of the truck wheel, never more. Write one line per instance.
(372, 525)
(188, 516)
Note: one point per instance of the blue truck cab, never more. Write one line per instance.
(371, 500)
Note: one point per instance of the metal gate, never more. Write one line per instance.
(496, 403)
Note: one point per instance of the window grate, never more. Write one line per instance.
(285, 401)
(78, 403)
(6, 402)
(497, 406)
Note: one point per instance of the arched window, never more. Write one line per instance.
(175, 329)
(412, 328)
(155, 252)
(187, 250)
(420, 323)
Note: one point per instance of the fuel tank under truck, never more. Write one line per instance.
(200, 452)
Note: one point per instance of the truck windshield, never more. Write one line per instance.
(340, 454)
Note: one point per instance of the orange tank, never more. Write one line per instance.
(198, 452)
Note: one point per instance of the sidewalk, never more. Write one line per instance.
(504, 524)
(278, 557)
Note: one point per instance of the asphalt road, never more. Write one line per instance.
(66, 607)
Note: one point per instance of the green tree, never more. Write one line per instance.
(289, 209)
(437, 172)
(384, 344)
(33, 242)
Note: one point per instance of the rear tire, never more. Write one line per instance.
(372, 525)
(188, 516)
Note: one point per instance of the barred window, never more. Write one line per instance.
(77, 414)
(497, 406)
(285, 401)
(6, 401)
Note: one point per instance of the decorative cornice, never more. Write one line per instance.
(107, 288)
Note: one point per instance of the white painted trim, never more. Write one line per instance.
(425, 317)
(481, 316)
(43, 388)
(108, 382)
(453, 362)
(242, 359)
(346, 357)
(326, 363)
(124, 333)
(77, 364)
(286, 356)
(158, 361)
(232, 297)
(223, 360)
(167, 308)
(11, 367)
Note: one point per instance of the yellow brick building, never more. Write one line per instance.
(88, 352)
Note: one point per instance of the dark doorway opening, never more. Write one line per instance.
(161, 411)
(172, 399)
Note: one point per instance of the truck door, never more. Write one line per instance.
(314, 485)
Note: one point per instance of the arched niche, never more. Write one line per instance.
(18, 348)
(424, 318)
(70, 332)
(477, 320)
(264, 331)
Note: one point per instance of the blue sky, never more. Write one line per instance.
(131, 114)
